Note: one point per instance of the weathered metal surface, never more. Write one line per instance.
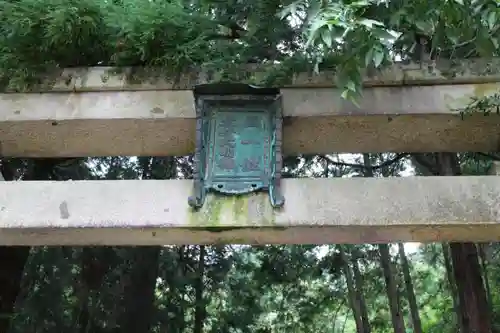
(238, 142)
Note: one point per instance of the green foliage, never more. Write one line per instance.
(37, 36)
(368, 34)
(487, 105)
(475, 164)
(40, 36)
(157, 33)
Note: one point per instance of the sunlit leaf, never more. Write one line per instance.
(424, 26)
(345, 94)
(315, 28)
(495, 43)
(492, 19)
(314, 9)
(378, 57)
(326, 36)
(360, 3)
(383, 34)
(351, 86)
(370, 23)
(369, 57)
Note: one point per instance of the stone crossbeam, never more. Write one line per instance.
(317, 211)
(406, 108)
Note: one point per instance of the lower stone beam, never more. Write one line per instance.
(316, 211)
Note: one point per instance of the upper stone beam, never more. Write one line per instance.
(399, 74)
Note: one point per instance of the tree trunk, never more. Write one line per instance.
(352, 293)
(335, 315)
(82, 313)
(345, 322)
(182, 271)
(473, 305)
(484, 267)
(13, 258)
(140, 292)
(358, 280)
(392, 289)
(451, 283)
(200, 309)
(412, 300)
(95, 262)
(475, 316)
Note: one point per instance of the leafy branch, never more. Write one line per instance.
(485, 104)
(382, 165)
(372, 34)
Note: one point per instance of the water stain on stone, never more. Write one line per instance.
(68, 79)
(288, 121)
(63, 210)
(17, 112)
(157, 110)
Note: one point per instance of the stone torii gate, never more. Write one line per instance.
(405, 108)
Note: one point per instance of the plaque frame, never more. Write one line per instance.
(224, 164)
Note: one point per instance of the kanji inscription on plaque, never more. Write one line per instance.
(240, 146)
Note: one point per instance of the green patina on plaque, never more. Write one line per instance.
(238, 141)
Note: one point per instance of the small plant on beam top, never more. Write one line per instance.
(486, 105)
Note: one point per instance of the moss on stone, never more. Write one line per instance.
(249, 210)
